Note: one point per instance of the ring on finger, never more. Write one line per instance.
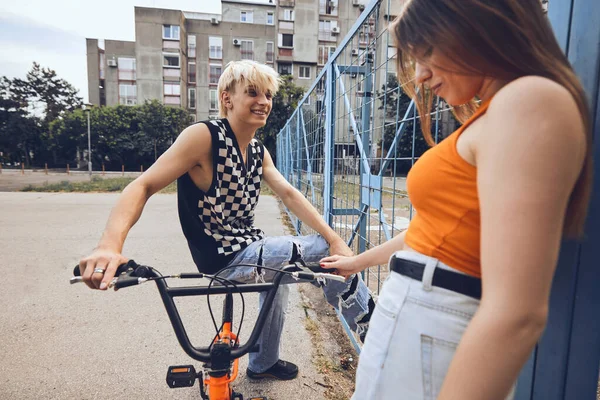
(98, 270)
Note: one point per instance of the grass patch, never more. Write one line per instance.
(110, 185)
(97, 184)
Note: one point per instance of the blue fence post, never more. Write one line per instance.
(366, 144)
(298, 161)
(329, 148)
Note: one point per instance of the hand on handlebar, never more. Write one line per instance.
(99, 268)
(342, 265)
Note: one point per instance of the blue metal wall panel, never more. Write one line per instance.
(567, 357)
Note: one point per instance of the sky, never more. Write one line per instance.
(53, 32)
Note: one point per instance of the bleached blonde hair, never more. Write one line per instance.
(251, 73)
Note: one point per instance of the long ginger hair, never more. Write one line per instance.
(502, 39)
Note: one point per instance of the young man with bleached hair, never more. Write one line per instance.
(219, 166)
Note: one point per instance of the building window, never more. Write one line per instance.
(213, 103)
(304, 72)
(270, 52)
(191, 46)
(285, 69)
(192, 98)
(102, 61)
(325, 30)
(328, 7)
(288, 15)
(246, 16)
(247, 50)
(192, 72)
(127, 94)
(324, 53)
(215, 45)
(172, 89)
(172, 92)
(171, 60)
(126, 67)
(270, 18)
(214, 74)
(171, 32)
(286, 40)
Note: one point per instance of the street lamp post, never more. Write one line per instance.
(87, 108)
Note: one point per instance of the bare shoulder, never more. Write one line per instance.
(195, 139)
(532, 98)
(536, 110)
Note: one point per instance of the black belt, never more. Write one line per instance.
(464, 284)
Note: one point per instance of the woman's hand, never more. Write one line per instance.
(343, 265)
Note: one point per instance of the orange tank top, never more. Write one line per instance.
(442, 187)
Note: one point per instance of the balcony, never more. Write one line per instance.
(247, 54)
(287, 3)
(171, 74)
(285, 55)
(171, 44)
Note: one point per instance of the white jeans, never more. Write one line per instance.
(413, 335)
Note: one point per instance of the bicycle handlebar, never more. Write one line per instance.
(131, 274)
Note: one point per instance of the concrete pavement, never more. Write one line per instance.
(62, 341)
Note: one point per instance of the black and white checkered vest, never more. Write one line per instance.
(220, 222)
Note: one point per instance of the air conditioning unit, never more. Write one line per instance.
(237, 42)
(355, 3)
(111, 62)
(354, 52)
(335, 29)
(214, 21)
(213, 117)
(361, 7)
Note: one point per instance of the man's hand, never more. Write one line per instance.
(339, 247)
(98, 269)
(344, 266)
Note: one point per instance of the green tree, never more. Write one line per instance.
(120, 135)
(160, 126)
(19, 132)
(284, 103)
(28, 107)
(396, 104)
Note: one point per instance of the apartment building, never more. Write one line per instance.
(178, 56)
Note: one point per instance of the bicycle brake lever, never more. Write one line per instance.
(316, 275)
(333, 277)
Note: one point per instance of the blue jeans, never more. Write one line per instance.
(350, 297)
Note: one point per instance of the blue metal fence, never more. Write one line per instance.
(355, 134)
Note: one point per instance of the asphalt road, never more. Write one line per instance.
(62, 341)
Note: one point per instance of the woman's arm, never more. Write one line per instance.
(528, 159)
(376, 256)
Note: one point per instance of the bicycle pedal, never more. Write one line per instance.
(181, 376)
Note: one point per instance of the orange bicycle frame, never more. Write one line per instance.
(218, 388)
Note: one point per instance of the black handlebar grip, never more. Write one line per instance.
(306, 275)
(126, 281)
(122, 268)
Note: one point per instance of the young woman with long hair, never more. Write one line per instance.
(467, 295)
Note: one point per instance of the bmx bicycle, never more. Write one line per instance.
(220, 358)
